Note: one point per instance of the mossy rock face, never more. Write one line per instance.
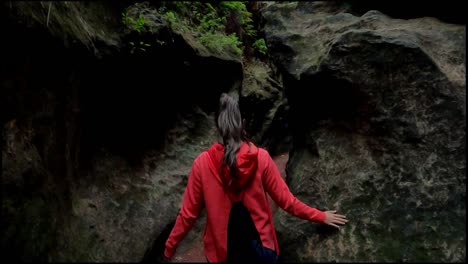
(378, 120)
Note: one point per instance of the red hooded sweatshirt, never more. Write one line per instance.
(208, 187)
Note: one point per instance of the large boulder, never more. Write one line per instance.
(377, 112)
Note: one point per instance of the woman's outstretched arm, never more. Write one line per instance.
(280, 193)
(191, 208)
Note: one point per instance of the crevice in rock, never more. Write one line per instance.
(156, 249)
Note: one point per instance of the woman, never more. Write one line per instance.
(232, 171)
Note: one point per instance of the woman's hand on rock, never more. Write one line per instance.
(334, 219)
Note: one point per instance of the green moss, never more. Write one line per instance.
(217, 42)
(222, 27)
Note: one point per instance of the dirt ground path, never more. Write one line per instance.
(191, 250)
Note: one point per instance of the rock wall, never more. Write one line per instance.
(377, 108)
(95, 161)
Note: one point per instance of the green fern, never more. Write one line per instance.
(218, 42)
(207, 22)
(260, 46)
(138, 25)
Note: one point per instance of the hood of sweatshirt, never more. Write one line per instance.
(246, 165)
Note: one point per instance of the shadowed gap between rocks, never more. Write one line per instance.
(324, 98)
(156, 250)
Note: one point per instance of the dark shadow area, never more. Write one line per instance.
(323, 97)
(156, 251)
(277, 139)
(35, 91)
(131, 100)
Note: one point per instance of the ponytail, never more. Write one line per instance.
(231, 129)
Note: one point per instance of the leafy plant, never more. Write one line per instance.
(171, 17)
(242, 16)
(260, 46)
(216, 25)
(141, 46)
(138, 25)
(219, 26)
(211, 22)
(135, 24)
(218, 42)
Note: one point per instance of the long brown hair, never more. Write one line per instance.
(231, 129)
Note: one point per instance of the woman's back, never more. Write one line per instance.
(231, 171)
(209, 184)
(219, 195)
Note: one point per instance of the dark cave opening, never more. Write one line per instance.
(130, 101)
